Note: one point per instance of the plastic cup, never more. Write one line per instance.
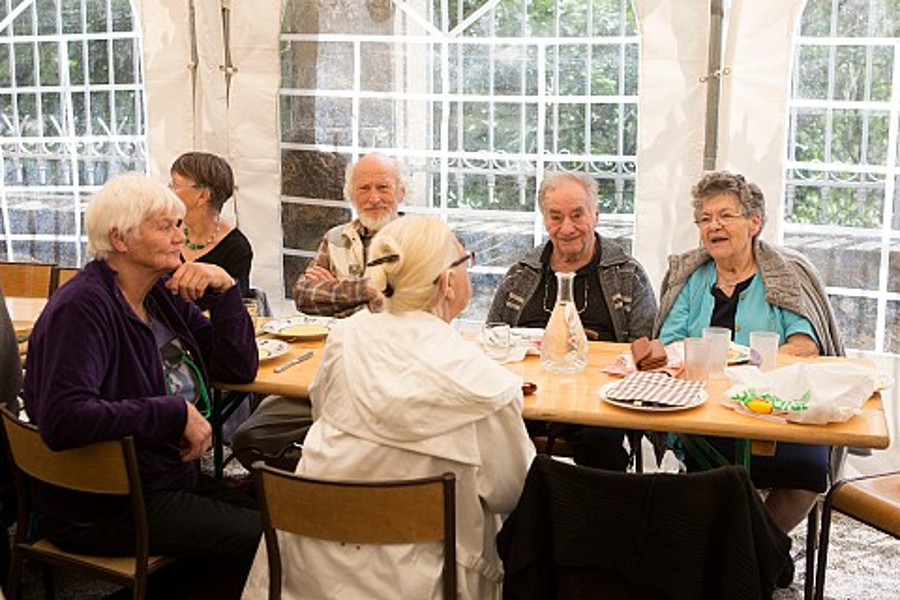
(696, 359)
(764, 349)
(495, 340)
(719, 338)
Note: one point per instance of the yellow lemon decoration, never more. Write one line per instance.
(760, 405)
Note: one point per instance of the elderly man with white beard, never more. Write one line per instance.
(333, 283)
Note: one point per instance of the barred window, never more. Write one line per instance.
(71, 116)
(476, 98)
(842, 170)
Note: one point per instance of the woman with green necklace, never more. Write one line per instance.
(204, 182)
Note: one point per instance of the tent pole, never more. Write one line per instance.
(713, 82)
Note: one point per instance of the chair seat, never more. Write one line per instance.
(116, 566)
(875, 501)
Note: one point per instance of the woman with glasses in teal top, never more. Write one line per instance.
(740, 282)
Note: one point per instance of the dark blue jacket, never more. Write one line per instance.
(93, 372)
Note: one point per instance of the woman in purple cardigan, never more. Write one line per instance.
(122, 350)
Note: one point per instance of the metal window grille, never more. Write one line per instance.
(71, 116)
(477, 99)
(842, 169)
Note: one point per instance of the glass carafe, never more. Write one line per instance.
(564, 347)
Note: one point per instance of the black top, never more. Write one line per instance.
(725, 308)
(588, 295)
(233, 254)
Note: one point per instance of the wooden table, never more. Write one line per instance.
(575, 399)
(24, 311)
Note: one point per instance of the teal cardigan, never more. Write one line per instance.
(693, 309)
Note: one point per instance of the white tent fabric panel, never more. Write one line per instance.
(192, 109)
(672, 104)
(754, 113)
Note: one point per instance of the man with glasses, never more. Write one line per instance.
(333, 283)
(612, 293)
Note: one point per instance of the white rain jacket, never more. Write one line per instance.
(400, 397)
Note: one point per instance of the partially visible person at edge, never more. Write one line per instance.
(122, 350)
(10, 385)
(204, 182)
(740, 282)
(449, 408)
(333, 283)
(613, 296)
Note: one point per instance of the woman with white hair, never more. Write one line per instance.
(399, 395)
(122, 350)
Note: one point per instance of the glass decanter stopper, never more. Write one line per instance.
(564, 347)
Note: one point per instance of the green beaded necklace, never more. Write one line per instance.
(193, 246)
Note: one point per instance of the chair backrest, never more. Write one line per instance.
(28, 280)
(383, 512)
(100, 468)
(64, 274)
(591, 533)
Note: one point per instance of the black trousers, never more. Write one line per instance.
(597, 447)
(216, 528)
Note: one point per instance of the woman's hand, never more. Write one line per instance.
(197, 437)
(192, 279)
(800, 344)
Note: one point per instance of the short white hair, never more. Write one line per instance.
(121, 205)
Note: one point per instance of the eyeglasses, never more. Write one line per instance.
(467, 259)
(175, 187)
(723, 219)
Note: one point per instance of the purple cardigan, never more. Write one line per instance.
(93, 372)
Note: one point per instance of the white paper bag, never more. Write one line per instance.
(816, 393)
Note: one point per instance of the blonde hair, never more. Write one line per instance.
(122, 204)
(406, 260)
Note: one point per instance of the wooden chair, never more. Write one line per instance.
(873, 500)
(64, 274)
(101, 468)
(28, 280)
(388, 512)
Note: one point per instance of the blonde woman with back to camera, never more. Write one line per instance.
(399, 395)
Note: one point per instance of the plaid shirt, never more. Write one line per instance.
(351, 292)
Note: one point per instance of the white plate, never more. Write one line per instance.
(300, 327)
(269, 349)
(699, 399)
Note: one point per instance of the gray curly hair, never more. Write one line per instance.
(749, 196)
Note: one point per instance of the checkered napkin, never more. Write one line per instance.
(656, 388)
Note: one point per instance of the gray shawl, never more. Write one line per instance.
(791, 283)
